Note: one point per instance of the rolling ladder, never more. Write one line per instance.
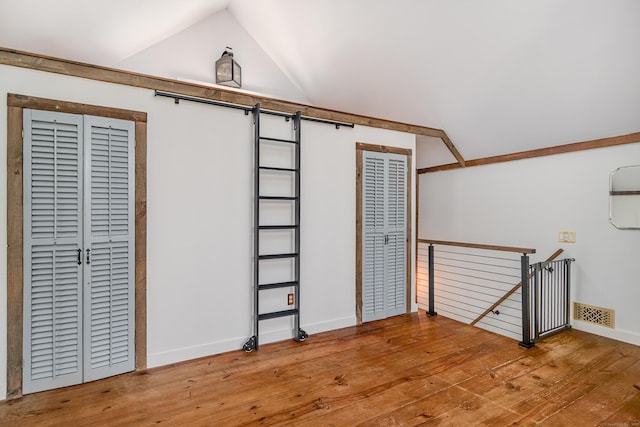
(262, 231)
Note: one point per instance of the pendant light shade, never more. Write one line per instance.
(228, 71)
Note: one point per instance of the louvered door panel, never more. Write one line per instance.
(109, 308)
(109, 305)
(373, 287)
(52, 350)
(373, 196)
(396, 275)
(396, 260)
(396, 204)
(110, 181)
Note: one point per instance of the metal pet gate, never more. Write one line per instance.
(546, 300)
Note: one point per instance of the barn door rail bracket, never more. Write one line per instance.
(178, 97)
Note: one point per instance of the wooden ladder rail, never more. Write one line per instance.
(512, 291)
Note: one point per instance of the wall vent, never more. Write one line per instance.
(592, 314)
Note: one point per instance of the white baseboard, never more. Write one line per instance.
(616, 334)
(316, 328)
(3, 391)
(188, 353)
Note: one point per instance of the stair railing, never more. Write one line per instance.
(470, 277)
(544, 303)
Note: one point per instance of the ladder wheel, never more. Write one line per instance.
(250, 345)
(302, 335)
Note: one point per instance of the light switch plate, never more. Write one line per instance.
(567, 236)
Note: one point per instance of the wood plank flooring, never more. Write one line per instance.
(407, 370)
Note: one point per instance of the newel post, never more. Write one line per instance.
(526, 342)
(432, 311)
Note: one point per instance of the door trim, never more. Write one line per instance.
(360, 147)
(15, 199)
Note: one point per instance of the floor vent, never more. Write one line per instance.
(592, 314)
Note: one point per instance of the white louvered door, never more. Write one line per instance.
(108, 238)
(384, 235)
(52, 186)
(71, 308)
(373, 236)
(396, 249)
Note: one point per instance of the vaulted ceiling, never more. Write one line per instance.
(499, 76)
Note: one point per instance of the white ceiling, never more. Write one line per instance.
(499, 76)
(101, 32)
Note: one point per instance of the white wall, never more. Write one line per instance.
(199, 213)
(525, 203)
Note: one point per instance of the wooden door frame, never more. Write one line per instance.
(360, 147)
(15, 199)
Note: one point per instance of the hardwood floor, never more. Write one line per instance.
(406, 370)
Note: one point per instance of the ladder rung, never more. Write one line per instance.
(277, 227)
(278, 256)
(270, 168)
(275, 314)
(277, 198)
(277, 285)
(288, 141)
